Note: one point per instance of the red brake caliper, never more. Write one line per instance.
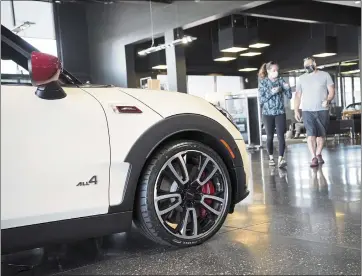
(207, 189)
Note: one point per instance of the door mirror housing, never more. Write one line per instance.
(44, 73)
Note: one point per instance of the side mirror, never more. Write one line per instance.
(44, 73)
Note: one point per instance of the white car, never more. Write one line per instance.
(82, 160)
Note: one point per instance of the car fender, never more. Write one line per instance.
(174, 127)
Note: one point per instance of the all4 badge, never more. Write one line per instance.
(92, 181)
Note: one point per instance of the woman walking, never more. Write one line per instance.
(272, 90)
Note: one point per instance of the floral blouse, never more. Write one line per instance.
(273, 104)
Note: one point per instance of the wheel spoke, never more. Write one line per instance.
(180, 179)
(184, 167)
(202, 171)
(184, 223)
(221, 200)
(190, 212)
(173, 204)
(209, 177)
(195, 222)
(207, 206)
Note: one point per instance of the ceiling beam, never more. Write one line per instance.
(308, 12)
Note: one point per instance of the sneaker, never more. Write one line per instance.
(282, 163)
(271, 162)
(314, 162)
(320, 159)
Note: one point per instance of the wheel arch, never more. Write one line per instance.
(179, 127)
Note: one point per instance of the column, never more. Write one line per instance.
(132, 81)
(176, 63)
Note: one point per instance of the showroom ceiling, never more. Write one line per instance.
(288, 42)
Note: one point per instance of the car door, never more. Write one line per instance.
(55, 155)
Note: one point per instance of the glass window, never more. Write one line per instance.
(228, 84)
(339, 91)
(292, 81)
(348, 90)
(11, 70)
(47, 46)
(200, 85)
(357, 89)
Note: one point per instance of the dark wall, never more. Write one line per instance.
(72, 39)
(111, 27)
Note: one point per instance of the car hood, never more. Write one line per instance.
(168, 104)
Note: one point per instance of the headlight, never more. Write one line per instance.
(226, 114)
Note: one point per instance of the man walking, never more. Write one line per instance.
(315, 90)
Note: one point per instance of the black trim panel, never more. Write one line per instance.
(165, 129)
(38, 235)
(240, 191)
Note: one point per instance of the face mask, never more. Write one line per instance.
(310, 68)
(273, 74)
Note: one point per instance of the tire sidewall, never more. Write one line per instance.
(170, 151)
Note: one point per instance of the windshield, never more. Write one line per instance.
(355, 106)
(15, 48)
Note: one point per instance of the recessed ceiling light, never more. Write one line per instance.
(352, 71)
(248, 69)
(259, 45)
(234, 50)
(325, 55)
(296, 71)
(224, 59)
(160, 67)
(358, 2)
(348, 63)
(250, 54)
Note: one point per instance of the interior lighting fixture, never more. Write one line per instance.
(321, 55)
(352, 71)
(225, 59)
(22, 27)
(259, 45)
(234, 50)
(255, 38)
(348, 63)
(233, 39)
(250, 54)
(323, 46)
(184, 40)
(296, 71)
(357, 2)
(160, 67)
(248, 69)
(217, 55)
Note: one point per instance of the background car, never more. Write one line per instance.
(82, 160)
(351, 110)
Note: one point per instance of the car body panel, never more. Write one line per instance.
(351, 110)
(156, 106)
(48, 147)
(172, 103)
(124, 130)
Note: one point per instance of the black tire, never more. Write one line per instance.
(146, 218)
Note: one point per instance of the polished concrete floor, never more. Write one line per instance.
(295, 221)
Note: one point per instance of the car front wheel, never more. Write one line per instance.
(184, 194)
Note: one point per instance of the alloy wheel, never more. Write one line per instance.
(190, 194)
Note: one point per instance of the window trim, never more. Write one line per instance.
(24, 49)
